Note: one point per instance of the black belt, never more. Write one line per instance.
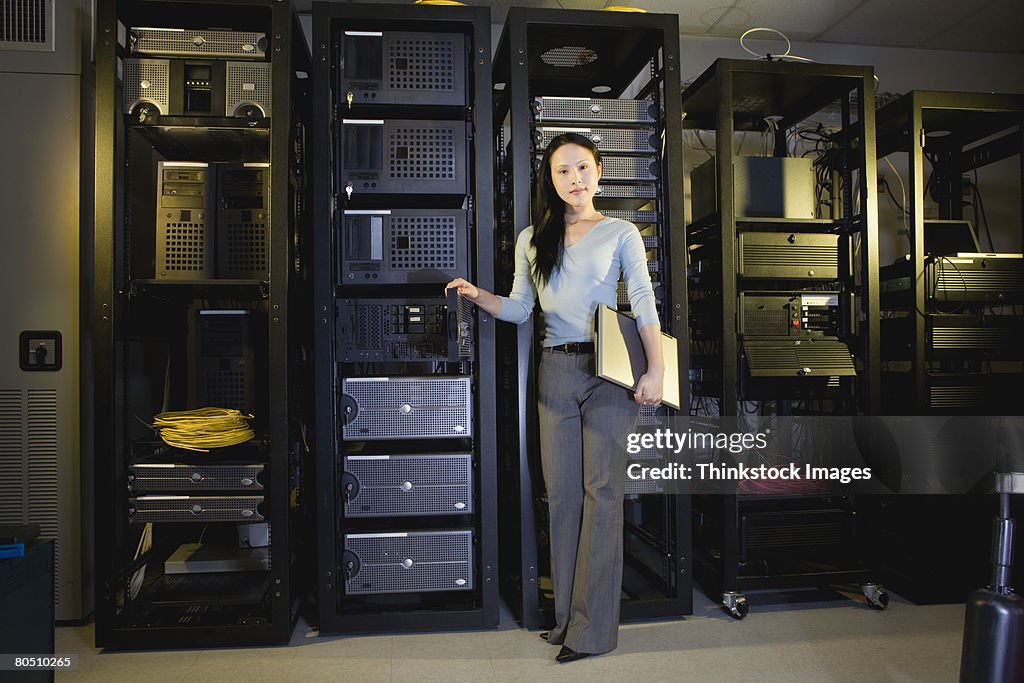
(572, 348)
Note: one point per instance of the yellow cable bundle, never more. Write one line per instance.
(203, 428)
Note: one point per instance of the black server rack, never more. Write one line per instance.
(950, 335)
(783, 275)
(952, 323)
(615, 78)
(200, 184)
(404, 472)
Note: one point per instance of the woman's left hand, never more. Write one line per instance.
(649, 388)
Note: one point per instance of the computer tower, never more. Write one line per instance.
(222, 360)
(400, 67)
(243, 221)
(185, 201)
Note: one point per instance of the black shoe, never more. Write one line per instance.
(566, 655)
(545, 635)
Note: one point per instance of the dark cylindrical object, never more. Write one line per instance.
(993, 649)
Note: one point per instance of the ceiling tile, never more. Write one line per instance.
(695, 16)
(798, 19)
(904, 23)
(994, 28)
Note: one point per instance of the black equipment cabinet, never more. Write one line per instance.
(783, 285)
(615, 77)
(404, 513)
(950, 335)
(199, 223)
(952, 345)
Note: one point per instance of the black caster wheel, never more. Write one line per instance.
(735, 604)
(876, 595)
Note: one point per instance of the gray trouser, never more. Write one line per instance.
(582, 423)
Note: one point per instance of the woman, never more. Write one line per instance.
(570, 259)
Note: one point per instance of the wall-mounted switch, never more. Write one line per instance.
(39, 350)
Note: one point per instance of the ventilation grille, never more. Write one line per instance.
(407, 408)
(422, 153)
(160, 477)
(803, 261)
(29, 470)
(370, 327)
(639, 217)
(793, 529)
(226, 389)
(626, 191)
(628, 168)
(766, 322)
(26, 25)
(13, 472)
(421, 64)
(183, 250)
(420, 242)
(243, 248)
(648, 416)
(189, 42)
(409, 562)
(569, 56)
(984, 338)
(636, 487)
(247, 83)
(645, 454)
(958, 397)
(409, 485)
(147, 80)
(605, 139)
(593, 110)
(822, 358)
(953, 283)
(196, 509)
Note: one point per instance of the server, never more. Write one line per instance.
(405, 467)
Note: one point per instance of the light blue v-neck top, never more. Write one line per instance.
(588, 277)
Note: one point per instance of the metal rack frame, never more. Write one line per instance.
(117, 293)
(333, 613)
(980, 132)
(628, 44)
(734, 96)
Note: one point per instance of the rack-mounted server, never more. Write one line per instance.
(402, 68)
(403, 246)
(420, 485)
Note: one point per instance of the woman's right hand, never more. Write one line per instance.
(464, 288)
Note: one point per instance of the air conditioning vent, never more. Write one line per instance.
(26, 25)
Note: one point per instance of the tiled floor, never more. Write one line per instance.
(821, 641)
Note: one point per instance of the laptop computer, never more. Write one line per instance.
(620, 357)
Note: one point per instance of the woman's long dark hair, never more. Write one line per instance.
(549, 210)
